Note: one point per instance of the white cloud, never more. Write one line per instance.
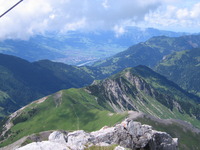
(182, 13)
(178, 18)
(32, 17)
(74, 25)
(119, 30)
(24, 20)
(195, 12)
(105, 4)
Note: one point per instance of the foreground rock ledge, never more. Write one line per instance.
(128, 134)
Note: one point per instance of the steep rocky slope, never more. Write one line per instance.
(183, 68)
(142, 89)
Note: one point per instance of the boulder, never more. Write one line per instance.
(58, 137)
(119, 148)
(78, 140)
(163, 141)
(44, 145)
(128, 134)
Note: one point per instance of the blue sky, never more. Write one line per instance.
(38, 17)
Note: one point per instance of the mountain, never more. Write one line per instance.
(105, 102)
(21, 82)
(78, 47)
(133, 89)
(183, 68)
(147, 53)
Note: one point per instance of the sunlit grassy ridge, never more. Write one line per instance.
(72, 109)
(22, 82)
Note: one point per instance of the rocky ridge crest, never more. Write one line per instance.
(128, 134)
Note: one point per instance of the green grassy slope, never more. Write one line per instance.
(21, 82)
(148, 53)
(183, 68)
(71, 109)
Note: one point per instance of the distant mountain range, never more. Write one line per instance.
(79, 48)
(181, 66)
(148, 53)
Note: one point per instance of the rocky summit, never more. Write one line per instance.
(128, 134)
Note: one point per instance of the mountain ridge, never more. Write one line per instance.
(89, 108)
(147, 53)
(182, 68)
(146, 84)
(22, 82)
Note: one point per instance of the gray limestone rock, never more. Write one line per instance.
(119, 148)
(58, 137)
(77, 140)
(162, 141)
(128, 134)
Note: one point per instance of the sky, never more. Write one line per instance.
(33, 17)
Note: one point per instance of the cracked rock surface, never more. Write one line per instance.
(128, 134)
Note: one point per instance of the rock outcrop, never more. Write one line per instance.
(128, 134)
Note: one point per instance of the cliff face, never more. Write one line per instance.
(128, 134)
(141, 89)
(120, 92)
